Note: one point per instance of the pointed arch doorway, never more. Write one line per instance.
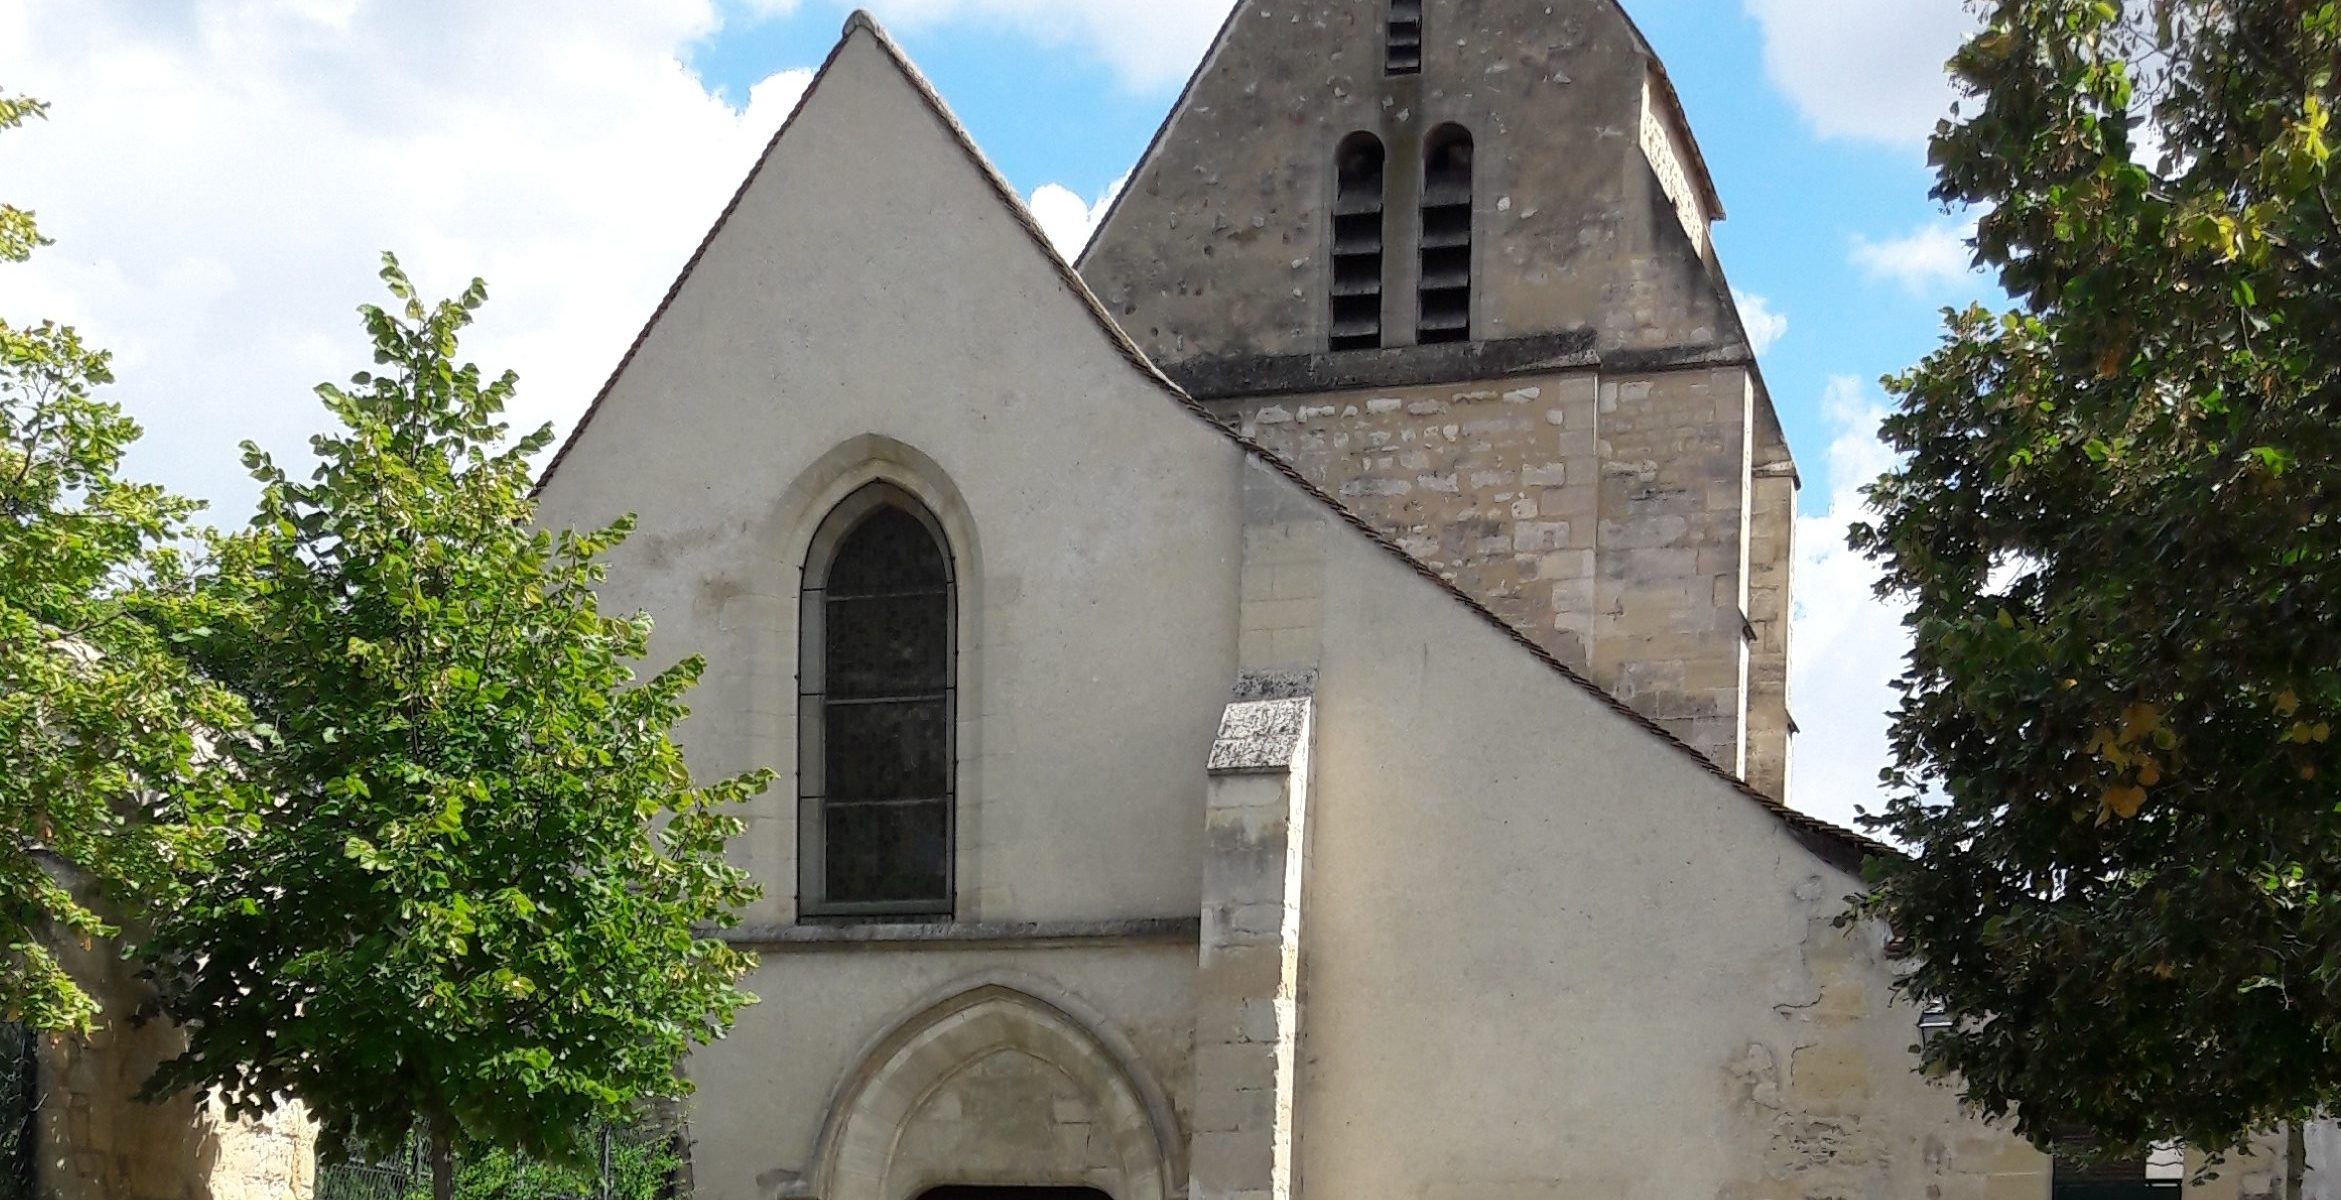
(996, 1094)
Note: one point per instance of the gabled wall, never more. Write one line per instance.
(871, 309)
(1219, 248)
(1546, 953)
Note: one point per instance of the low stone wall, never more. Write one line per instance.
(95, 1140)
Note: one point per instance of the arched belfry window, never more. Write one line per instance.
(875, 777)
(1402, 39)
(1446, 236)
(1357, 243)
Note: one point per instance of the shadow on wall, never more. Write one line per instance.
(93, 1139)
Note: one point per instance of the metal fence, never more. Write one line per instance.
(631, 1164)
(19, 1106)
(393, 1178)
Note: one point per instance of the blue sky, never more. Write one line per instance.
(220, 176)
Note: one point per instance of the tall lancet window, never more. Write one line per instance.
(875, 756)
(1402, 39)
(1357, 244)
(1446, 236)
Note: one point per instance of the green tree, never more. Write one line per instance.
(639, 1169)
(2118, 517)
(104, 796)
(480, 895)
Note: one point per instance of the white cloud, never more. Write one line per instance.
(1870, 70)
(1148, 43)
(219, 176)
(1067, 218)
(1847, 645)
(1927, 260)
(1765, 327)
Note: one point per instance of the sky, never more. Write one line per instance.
(220, 177)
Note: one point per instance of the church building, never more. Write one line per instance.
(1292, 704)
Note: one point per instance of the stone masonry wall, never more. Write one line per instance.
(1608, 517)
(96, 1140)
(1495, 488)
(1220, 245)
(1671, 632)
(1771, 554)
(1615, 517)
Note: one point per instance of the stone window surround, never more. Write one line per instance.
(797, 521)
(836, 526)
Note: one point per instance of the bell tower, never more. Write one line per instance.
(1451, 259)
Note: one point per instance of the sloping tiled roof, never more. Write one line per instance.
(1839, 845)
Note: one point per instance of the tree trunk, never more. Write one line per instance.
(442, 1158)
(2295, 1159)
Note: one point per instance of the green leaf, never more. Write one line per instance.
(2119, 864)
(461, 852)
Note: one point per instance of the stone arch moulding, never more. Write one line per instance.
(789, 529)
(994, 1014)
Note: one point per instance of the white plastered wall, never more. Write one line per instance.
(1551, 955)
(764, 1095)
(870, 312)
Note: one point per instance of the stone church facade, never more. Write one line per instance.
(1295, 704)
(1292, 704)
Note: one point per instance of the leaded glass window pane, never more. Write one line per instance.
(886, 750)
(890, 551)
(888, 645)
(879, 853)
(877, 769)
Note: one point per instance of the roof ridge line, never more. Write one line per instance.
(1348, 516)
(658, 312)
(1017, 208)
(1162, 131)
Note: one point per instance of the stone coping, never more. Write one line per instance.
(1242, 376)
(960, 935)
(1260, 737)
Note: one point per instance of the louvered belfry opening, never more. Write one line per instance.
(1402, 39)
(875, 773)
(1446, 237)
(1357, 244)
